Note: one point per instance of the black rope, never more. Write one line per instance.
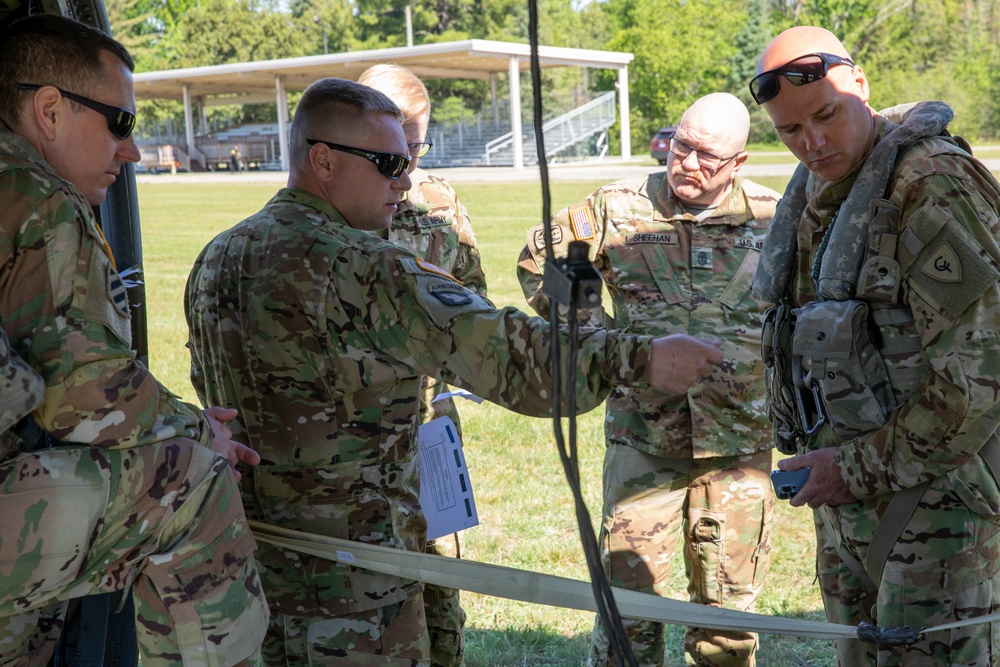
(607, 609)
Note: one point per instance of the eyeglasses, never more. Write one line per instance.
(804, 69)
(121, 122)
(389, 165)
(706, 160)
(420, 150)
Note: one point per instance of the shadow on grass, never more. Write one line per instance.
(533, 647)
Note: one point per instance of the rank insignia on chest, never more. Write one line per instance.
(450, 294)
(701, 258)
(583, 222)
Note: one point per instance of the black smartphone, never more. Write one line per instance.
(788, 482)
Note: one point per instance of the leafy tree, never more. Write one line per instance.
(755, 34)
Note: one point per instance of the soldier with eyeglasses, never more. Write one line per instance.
(677, 251)
(321, 331)
(108, 482)
(885, 259)
(433, 224)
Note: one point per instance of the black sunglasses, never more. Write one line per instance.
(800, 71)
(121, 122)
(420, 149)
(389, 165)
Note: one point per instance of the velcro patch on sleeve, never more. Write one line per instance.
(441, 296)
(944, 263)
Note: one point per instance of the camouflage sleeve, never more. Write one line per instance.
(468, 268)
(584, 221)
(951, 264)
(458, 337)
(65, 309)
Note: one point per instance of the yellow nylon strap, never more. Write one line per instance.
(513, 584)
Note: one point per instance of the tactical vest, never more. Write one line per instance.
(849, 358)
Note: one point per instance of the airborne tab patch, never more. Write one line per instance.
(450, 294)
(583, 222)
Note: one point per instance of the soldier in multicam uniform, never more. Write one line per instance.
(132, 493)
(678, 250)
(433, 225)
(922, 292)
(321, 332)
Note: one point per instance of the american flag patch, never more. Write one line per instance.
(583, 223)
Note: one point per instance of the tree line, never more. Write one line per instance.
(910, 49)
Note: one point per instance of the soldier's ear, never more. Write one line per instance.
(323, 161)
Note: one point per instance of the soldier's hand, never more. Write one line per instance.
(825, 485)
(679, 361)
(222, 442)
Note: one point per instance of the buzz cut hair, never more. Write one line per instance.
(402, 86)
(332, 110)
(52, 50)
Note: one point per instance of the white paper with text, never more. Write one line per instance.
(445, 489)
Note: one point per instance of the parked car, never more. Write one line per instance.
(659, 146)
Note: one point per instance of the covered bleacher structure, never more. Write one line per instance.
(270, 81)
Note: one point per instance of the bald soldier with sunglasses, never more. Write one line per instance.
(107, 481)
(887, 245)
(321, 331)
(677, 250)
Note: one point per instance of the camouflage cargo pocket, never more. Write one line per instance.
(836, 343)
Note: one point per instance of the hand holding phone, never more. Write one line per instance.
(787, 483)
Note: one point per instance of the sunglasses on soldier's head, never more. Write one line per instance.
(121, 122)
(389, 165)
(798, 72)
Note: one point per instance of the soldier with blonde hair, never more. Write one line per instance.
(435, 226)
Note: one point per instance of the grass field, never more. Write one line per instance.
(525, 507)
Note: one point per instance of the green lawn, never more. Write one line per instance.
(525, 508)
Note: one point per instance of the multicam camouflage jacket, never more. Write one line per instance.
(947, 247)
(433, 225)
(64, 308)
(668, 273)
(319, 334)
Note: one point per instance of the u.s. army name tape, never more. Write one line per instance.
(547, 589)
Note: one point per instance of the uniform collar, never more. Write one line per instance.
(733, 211)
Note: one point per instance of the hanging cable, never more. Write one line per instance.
(567, 282)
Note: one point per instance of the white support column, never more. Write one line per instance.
(514, 74)
(202, 115)
(281, 99)
(493, 98)
(625, 126)
(189, 125)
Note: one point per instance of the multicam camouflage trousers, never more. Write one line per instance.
(945, 567)
(165, 518)
(445, 616)
(392, 635)
(723, 507)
